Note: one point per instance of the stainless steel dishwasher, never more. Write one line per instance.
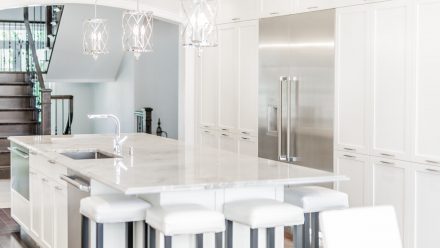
(78, 188)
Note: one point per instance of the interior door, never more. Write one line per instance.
(312, 66)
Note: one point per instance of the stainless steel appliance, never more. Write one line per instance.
(20, 170)
(78, 188)
(296, 92)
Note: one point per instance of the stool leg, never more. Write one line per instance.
(84, 232)
(145, 235)
(99, 235)
(315, 230)
(168, 242)
(298, 236)
(199, 240)
(129, 234)
(254, 238)
(270, 237)
(152, 237)
(306, 232)
(219, 240)
(229, 231)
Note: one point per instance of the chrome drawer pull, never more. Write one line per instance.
(432, 170)
(223, 134)
(58, 188)
(349, 149)
(387, 154)
(389, 163)
(432, 162)
(274, 13)
(244, 138)
(75, 183)
(246, 133)
(52, 161)
(349, 156)
(18, 152)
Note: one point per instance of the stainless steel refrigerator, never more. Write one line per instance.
(296, 89)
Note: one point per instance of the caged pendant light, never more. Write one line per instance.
(137, 31)
(201, 28)
(95, 36)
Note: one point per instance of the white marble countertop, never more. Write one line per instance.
(160, 165)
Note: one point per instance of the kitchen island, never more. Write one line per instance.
(161, 171)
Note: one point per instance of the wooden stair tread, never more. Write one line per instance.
(5, 122)
(15, 84)
(17, 109)
(17, 96)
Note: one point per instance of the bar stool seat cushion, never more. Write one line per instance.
(263, 213)
(113, 208)
(316, 199)
(185, 219)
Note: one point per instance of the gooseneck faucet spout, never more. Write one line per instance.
(117, 142)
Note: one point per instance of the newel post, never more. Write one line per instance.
(46, 111)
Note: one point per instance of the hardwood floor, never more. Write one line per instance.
(7, 224)
(11, 241)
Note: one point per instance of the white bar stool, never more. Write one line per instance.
(261, 213)
(361, 228)
(185, 219)
(106, 209)
(314, 199)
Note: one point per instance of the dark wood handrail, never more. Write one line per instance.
(34, 50)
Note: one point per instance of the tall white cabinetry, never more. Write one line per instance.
(228, 90)
(386, 130)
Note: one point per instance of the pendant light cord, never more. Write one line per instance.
(96, 2)
(137, 5)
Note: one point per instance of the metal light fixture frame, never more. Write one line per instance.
(95, 36)
(201, 28)
(137, 33)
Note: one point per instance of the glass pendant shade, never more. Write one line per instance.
(95, 37)
(137, 32)
(201, 28)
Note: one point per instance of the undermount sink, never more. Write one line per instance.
(89, 154)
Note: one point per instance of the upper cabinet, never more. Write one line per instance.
(352, 80)
(312, 5)
(427, 88)
(241, 10)
(390, 41)
(276, 7)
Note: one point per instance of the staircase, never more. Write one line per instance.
(18, 114)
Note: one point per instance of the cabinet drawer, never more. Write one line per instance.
(47, 167)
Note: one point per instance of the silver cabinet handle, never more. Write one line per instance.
(75, 183)
(432, 162)
(52, 161)
(18, 152)
(274, 13)
(387, 155)
(236, 19)
(245, 138)
(206, 131)
(349, 149)
(245, 133)
(312, 7)
(58, 188)
(433, 170)
(387, 163)
(225, 129)
(225, 135)
(44, 180)
(349, 156)
(289, 117)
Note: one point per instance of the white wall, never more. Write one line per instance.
(157, 78)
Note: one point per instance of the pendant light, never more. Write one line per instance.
(201, 27)
(95, 36)
(137, 31)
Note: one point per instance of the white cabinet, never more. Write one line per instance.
(359, 170)
(390, 78)
(312, 5)
(427, 205)
(209, 88)
(390, 187)
(248, 78)
(352, 80)
(233, 10)
(427, 87)
(228, 142)
(60, 216)
(35, 203)
(248, 146)
(208, 138)
(276, 7)
(47, 212)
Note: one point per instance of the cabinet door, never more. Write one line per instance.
(390, 80)
(35, 203)
(427, 87)
(233, 10)
(390, 187)
(427, 205)
(359, 171)
(275, 7)
(228, 77)
(352, 80)
(60, 216)
(248, 146)
(47, 212)
(228, 142)
(312, 5)
(208, 138)
(248, 77)
(209, 83)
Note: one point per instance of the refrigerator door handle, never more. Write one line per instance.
(292, 153)
(289, 118)
(281, 156)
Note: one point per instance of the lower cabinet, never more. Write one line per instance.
(238, 143)
(358, 168)
(427, 205)
(48, 209)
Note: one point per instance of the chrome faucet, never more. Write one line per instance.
(117, 141)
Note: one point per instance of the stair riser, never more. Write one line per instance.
(5, 172)
(15, 89)
(6, 77)
(4, 144)
(17, 115)
(16, 102)
(5, 159)
(7, 130)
